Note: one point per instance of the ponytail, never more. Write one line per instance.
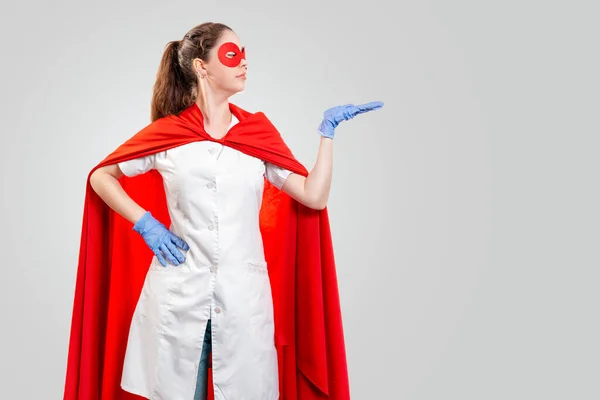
(171, 93)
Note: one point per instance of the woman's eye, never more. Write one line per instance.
(230, 54)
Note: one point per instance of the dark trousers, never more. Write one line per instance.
(202, 378)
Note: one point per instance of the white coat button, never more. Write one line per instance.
(213, 150)
(217, 310)
(210, 185)
(213, 268)
(211, 227)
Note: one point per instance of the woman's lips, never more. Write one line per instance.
(243, 76)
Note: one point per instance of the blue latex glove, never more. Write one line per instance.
(159, 238)
(334, 115)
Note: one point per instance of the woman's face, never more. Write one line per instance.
(227, 65)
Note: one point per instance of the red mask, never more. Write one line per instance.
(236, 59)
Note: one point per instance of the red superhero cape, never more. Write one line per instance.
(113, 262)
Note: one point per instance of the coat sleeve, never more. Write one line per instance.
(276, 174)
(140, 165)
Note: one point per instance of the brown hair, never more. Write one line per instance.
(175, 88)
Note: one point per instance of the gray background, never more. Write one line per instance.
(464, 212)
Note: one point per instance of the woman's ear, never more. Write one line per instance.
(199, 67)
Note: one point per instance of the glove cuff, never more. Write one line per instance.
(326, 130)
(142, 224)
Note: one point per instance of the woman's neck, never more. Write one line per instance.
(215, 112)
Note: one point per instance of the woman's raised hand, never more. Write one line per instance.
(334, 115)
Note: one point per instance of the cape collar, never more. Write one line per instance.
(248, 122)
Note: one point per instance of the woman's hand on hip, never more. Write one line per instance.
(160, 239)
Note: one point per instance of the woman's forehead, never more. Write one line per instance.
(229, 36)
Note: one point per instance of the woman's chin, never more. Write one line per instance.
(240, 88)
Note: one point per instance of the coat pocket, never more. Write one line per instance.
(258, 295)
(155, 265)
(161, 286)
(259, 267)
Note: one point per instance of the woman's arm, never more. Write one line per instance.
(105, 182)
(313, 190)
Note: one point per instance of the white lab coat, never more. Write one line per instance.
(214, 195)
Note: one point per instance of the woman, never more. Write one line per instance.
(207, 294)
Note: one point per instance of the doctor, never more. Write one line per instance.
(207, 293)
